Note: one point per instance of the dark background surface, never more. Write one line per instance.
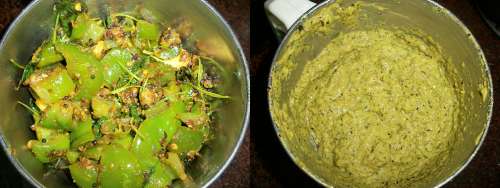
(236, 13)
(272, 167)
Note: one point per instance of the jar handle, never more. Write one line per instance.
(282, 14)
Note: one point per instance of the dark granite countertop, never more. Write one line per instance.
(271, 166)
(236, 13)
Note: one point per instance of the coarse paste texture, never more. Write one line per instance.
(378, 107)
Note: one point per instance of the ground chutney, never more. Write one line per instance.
(378, 106)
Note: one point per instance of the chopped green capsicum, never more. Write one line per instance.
(80, 141)
(104, 108)
(113, 71)
(82, 128)
(95, 152)
(84, 67)
(49, 150)
(126, 142)
(73, 155)
(119, 168)
(146, 30)
(49, 56)
(176, 164)
(84, 173)
(53, 87)
(46, 133)
(186, 140)
(157, 131)
(158, 178)
(59, 116)
(86, 30)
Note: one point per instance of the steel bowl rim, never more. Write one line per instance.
(246, 119)
(12, 158)
(439, 7)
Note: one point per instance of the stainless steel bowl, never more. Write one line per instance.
(437, 22)
(35, 24)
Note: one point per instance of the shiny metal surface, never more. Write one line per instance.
(34, 25)
(457, 43)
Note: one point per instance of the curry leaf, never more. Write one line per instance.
(28, 71)
(66, 10)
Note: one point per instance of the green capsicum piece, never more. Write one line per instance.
(50, 150)
(154, 129)
(188, 97)
(104, 139)
(193, 119)
(82, 128)
(84, 66)
(128, 24)
(73, 155)
(186, 140)
(86, 30)
(158, 178)
(84, 173)
(59, 116)
(165, 73)
(146, 30)
(119, 168)
(167, 52)
(113, 70)
(148, 162)
(126, 142)
(197, 108)
(156, 109)
(173, 88)
(54, 87)
(49, 56)
(95, 152)
(176, 164)
(169, 171)
(69, 11)
(116, 128)
(87, 137)
(46, 133)
(206, 133)
(104, 108)
(153, 168)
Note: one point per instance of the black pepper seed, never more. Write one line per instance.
(92, 76)
(44, 140)
(90, 40)
(65, 105)
(300, 27)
